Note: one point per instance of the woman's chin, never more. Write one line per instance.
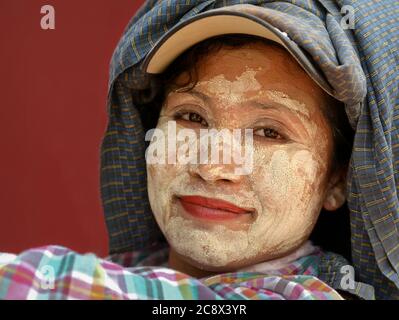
(229, 267)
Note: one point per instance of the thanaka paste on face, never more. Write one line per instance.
(235, 91)
(285, 187)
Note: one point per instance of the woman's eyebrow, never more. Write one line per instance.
(276, 101)
(290, 105)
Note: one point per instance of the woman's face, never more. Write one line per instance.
(275, 205)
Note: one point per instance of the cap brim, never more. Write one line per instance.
(219, 22)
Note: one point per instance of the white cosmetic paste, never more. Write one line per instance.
(280, 189)
(232, 91)
(219, 245)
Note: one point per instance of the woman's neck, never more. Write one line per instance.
(177, 263)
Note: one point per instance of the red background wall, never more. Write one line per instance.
(53, 86)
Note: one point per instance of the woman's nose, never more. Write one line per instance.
(215, 172)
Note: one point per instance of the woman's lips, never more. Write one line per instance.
(211, 209)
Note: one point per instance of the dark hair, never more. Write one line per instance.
(332, 231)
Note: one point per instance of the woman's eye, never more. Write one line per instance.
(193, 117)
(268, 133)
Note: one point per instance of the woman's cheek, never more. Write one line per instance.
(287, 183)
(160, 177)
(156, 190)
(310, 175)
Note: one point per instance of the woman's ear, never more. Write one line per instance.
(336, 191)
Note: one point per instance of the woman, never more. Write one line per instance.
(298, 140)
(229, 235)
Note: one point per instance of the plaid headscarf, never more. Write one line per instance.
(362, 66)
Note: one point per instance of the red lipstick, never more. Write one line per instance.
(212, 209)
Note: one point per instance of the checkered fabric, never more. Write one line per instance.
(362, 65)
(55, 272)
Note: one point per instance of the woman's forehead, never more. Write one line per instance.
(255, 66)
(234, 80)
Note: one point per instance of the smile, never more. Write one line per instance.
(212, 209)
